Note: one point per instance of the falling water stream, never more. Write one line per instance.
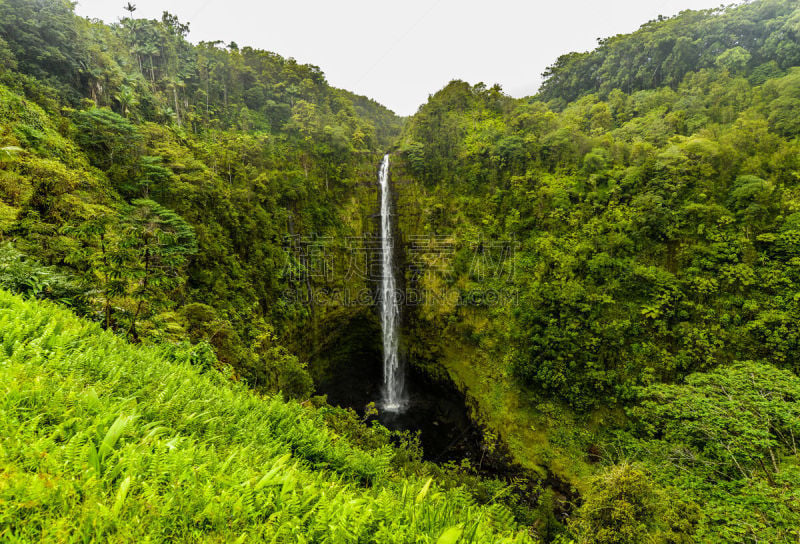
(410, 399)
(434, 408)
(392, 394)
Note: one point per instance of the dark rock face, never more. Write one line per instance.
(348, 368)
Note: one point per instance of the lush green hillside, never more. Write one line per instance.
(609, 271)
(759, 38)
(103, 441)
(570, 260)
(174, 183)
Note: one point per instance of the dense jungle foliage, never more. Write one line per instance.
(609, 270)
(644, 305)
(164, 179)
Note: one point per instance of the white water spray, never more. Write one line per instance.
(392, 395)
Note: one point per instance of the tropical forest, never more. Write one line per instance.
(240, 304)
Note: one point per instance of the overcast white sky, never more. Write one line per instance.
(400, 52)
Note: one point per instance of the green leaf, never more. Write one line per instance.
(450, 535)
(113, 434)
(122, 492)
(423, 491)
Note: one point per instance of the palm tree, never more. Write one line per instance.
(126, 99)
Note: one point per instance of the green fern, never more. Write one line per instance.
(103, 441)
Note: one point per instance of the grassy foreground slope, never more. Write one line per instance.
(104, 441)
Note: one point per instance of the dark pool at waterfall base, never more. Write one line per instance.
(441, 417)
(437, 411)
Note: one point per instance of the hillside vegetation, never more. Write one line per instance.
(609, 271)
(761, 38)
(171, 183)
(103, 441)
(591, 270)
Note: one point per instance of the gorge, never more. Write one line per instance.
(232, 295)
(407, 398)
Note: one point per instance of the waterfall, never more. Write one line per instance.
(392, 394)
